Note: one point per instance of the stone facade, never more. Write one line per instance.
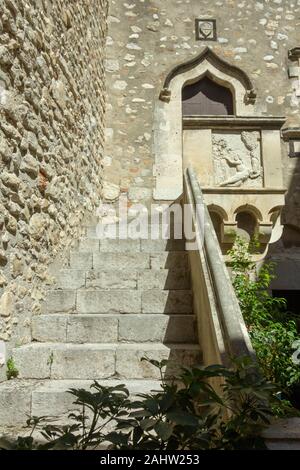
(52, 103)
(146, 39)
(104, 305)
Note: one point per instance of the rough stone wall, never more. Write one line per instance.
(51, 142)
(146, 39)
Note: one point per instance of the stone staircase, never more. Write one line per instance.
(115, 302)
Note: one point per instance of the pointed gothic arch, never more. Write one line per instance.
(210, 56)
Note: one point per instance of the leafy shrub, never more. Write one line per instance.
(11, 370)
(272, 330)
(190, 414)
(185, 413)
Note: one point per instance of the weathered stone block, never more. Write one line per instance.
(91, 232)
(51, 398)
(164, 279)
(15, 403)
(88, 245)
(172, 301)
(92, 329)
(7, 303)
(58, 301)
(33, 361)
(113, 301)
(49, 328)
(169, 260)
(120, 246)
(83, 362)
(121, 261)
(158, 328)
(111, 279)
(129, 357)
(81, 260)
(165, 231)
(162, 245)
(70, 279)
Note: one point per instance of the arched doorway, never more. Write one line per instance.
(206, 98)
(206, 117)
(211, 75)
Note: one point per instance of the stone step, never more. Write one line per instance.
(167, 301)
(122, 279)
(121, 261)
(51, 397)
(20, 399)
(90, 245)
(159, 328)
(169, 245)
(164, 279)
(59, 301)
(70, 279)
(110, 301)
(15, 403)
(84, 261)
(132, 301)
(114, 328)
(118, 301)
(169, 260)
(89, 361)
(129, 364)
(145, 231)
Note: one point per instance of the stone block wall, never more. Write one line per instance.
(148, 38)
(52, 98)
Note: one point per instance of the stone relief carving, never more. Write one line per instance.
(237, 159)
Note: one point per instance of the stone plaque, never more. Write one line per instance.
(237, 159)
(206, 30)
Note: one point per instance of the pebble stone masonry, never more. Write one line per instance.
(52, 96)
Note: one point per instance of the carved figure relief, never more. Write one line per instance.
(237, 159)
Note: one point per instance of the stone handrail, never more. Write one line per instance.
(222, 330)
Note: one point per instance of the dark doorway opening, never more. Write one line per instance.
(206, 98)
(292, 297)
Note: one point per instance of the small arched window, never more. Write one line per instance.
(217, 223)
(206, 98)
(246, 225)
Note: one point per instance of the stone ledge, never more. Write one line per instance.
(283, 434)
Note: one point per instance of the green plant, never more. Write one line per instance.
(50, 359)
(190, 415)
(272, 330)
(11, 370)
(185, 413)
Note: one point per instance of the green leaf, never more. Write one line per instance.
(164, 430)
(183, 419)
(148, 424)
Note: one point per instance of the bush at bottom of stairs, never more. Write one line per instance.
(185, 414)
